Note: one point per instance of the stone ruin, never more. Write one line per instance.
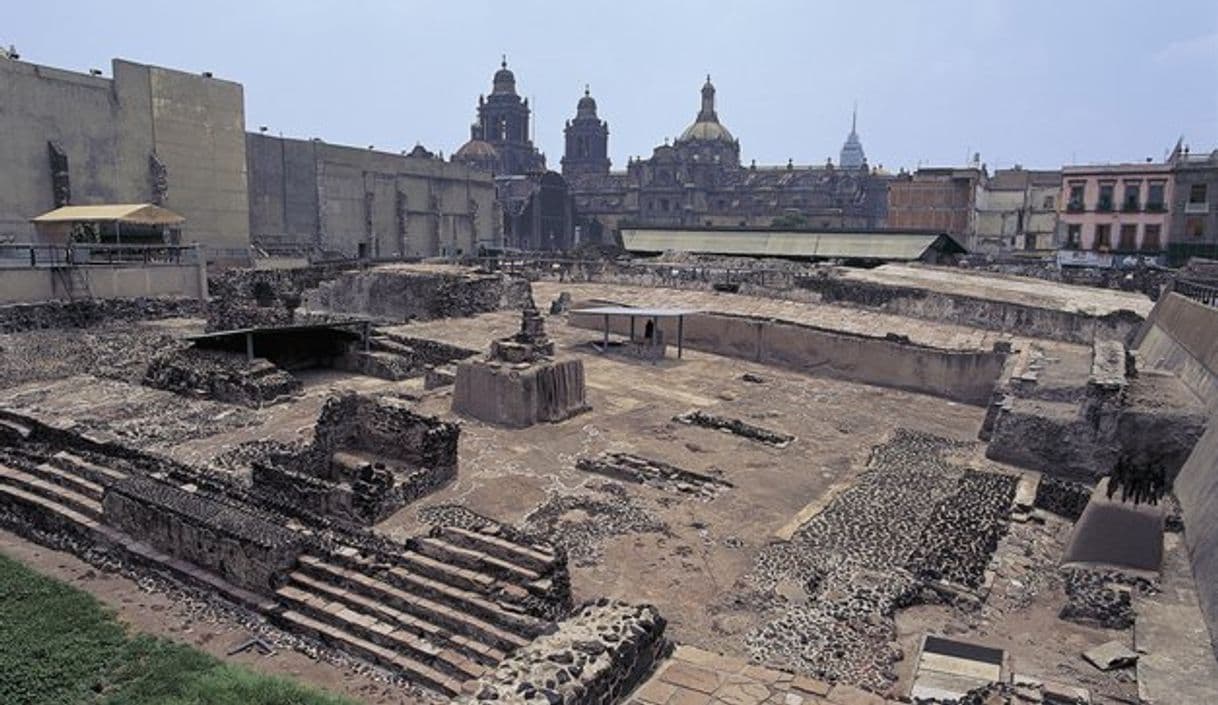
(369, 458)
(519, 383)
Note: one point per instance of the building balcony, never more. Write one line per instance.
(1130, 208)
(1196, 208)
(1154, 208)
(1074, 207)
(1103, 207)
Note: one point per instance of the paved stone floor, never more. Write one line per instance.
(696, 677)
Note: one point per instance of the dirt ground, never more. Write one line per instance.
(680, 553)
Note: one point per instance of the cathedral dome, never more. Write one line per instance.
(476, 152)
(586, 107)
(707, 126)
(505, 80)
(707, 131)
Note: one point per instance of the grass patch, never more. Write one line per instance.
(60, 646)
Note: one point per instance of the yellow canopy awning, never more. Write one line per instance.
(133, 213)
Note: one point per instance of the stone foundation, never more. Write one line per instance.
(221, 376)
(247, 550)
(369, 458)
(596, 657)
(398, 294)
(520, 395)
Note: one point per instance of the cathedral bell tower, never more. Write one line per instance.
(587, 140)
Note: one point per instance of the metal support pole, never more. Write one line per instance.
(680, 335)
(632, 329)
(249, 347)
(605, 350)
(367, 337)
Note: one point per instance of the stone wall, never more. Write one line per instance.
(521, 395)
(222, 376)
(249, 298)
(15, 318)
(387, 428)
(959, 375)
(240, 546)
(596, 657)
(361, 202)
(404, 294)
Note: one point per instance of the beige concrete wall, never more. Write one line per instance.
(105, 282)
(964, 376)
(109, 129)
(1181, 336)
(335, 197)
(198, 130)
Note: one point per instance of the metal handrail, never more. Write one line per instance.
(36, 255)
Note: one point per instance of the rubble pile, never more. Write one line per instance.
(737, 427)
(119, 351)
(221, 376)
(1102, 598)
(1064, 498)
(255, 298)
(580, 523)
(597, 656)
(85, 313)
(654, 473)
(910, 507)
(398, 294)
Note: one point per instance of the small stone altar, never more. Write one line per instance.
(519, 383)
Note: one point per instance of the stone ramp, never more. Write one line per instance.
(1176, 665)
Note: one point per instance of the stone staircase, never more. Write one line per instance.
(443, 612)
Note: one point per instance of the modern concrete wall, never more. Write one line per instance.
(964, 376)
(109, 128)
(30, 285)
(1181, 335)
(312, 194)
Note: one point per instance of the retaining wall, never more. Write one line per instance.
(966, 376)
(1181, 335)
(34, 284)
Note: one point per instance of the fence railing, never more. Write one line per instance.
(26, 255)
(1201, 293)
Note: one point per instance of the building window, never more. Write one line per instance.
(1076, 197)
(1103, 237)
(1150, 238)
(1105, 201)
(1129, 237)
(1194, 227)
(664, 204)
(1196, 194)
(1074, 236)
(1130, 202)
(1048, 204)
(1154, 196)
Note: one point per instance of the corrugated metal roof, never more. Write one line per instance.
(784, 243)
(631, 311)
(134, 213)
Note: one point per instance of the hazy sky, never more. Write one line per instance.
(1038, 82)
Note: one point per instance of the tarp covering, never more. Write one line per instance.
(895, 246)
(133, 213)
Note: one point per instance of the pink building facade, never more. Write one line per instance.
(1119, 208)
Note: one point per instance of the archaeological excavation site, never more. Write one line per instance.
(529, 481)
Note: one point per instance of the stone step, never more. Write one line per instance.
(510, 551)
(89, 470)
(504, 614)
(49, 508)
(442, 550)
(73, 482)
(20, 430)
(445, 617)
(434, 636)
(343, 640)
(61, 495)
(379, 624)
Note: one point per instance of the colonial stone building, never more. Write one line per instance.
(534, 205)
(699, 180)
